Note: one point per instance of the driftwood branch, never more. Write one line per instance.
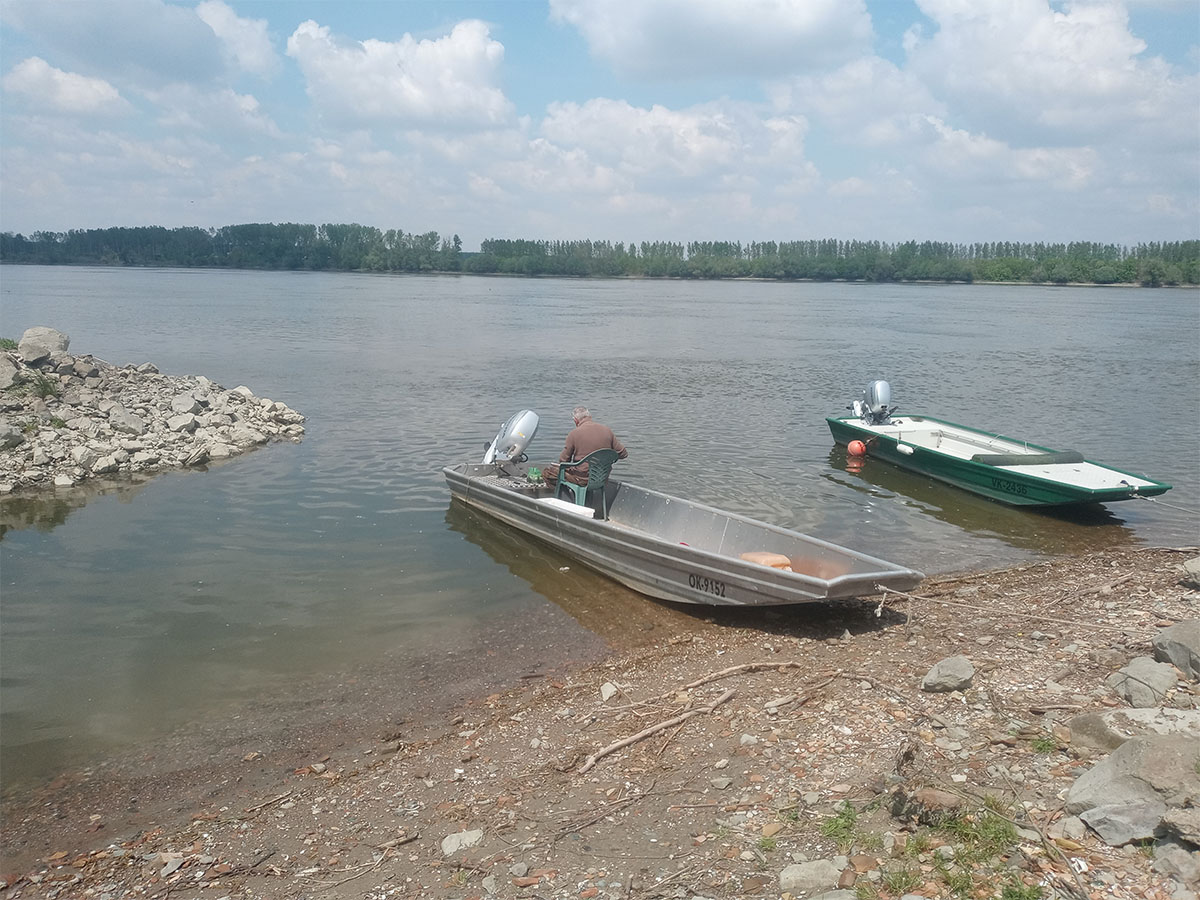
(738, 670)
(717, 676)
(653, 729)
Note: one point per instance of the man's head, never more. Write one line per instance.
(580, 413)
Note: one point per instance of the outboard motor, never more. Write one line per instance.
(874, 408)
(513, 437)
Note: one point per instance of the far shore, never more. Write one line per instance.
(738, 278)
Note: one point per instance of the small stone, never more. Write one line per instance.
(461, 840)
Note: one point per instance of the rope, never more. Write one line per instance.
(1170, 505)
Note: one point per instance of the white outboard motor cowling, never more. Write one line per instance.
(875, 406)
(512, 438)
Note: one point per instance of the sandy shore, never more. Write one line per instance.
(719, 761)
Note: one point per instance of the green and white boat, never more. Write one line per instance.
(997, 467)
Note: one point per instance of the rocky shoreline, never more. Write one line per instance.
(67, 418)
(1019, 734)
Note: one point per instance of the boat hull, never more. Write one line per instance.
(677, 550)
(1018, 473)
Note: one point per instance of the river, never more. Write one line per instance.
(130, 611)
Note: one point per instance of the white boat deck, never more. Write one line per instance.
(964, 444)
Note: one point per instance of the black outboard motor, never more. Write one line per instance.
(874, 408)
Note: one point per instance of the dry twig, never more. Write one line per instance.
(653, 729)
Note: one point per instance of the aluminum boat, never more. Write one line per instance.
(667, 547)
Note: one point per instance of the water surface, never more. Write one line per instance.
(132, 609)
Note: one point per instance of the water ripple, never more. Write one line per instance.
(198, 589)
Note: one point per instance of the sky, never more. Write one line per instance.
(619, 120)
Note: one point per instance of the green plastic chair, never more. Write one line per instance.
(599, 463)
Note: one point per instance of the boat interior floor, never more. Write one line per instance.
(1067, 467)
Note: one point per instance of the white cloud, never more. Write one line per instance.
(448, 81)
(549, 169)
(142, 42)
(46, 87)
(726, 149)
(869, 101)
(68, 175)
(212, 111)
(997, 108)
(246, 40)
(958, 155)
(647, 140)
(690, 38)
(852, 187)
(1074, 73)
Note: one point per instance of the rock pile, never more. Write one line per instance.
(67, 418)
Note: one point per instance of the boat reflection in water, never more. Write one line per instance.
(1043, 530)
(623, 618)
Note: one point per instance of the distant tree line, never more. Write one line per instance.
(344, 248)
(1151, 264)
(365, 248)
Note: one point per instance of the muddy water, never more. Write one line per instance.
(334, 580)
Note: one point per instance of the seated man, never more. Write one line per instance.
(586, 437)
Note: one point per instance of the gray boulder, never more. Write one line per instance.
(1179, 645)
(241, 435)
(84, 457)
(10, 436)
(182, 423)
(815, 875)
(1178, 861)
(1191, 572)
(1143, 683)
(85, 368)
(38, 343)
(951, 674)
(126, 422)
(184, 404)
(106, 464)
(1142, 772)
(1119, 824)
(1108, 730)
(8, 371)
(1183, 823)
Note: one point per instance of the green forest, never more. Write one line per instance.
(362, 248)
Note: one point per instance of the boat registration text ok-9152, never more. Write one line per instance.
(707, 585)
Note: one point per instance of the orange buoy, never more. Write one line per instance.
(857, 448)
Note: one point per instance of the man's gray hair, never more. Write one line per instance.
(580, 412)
